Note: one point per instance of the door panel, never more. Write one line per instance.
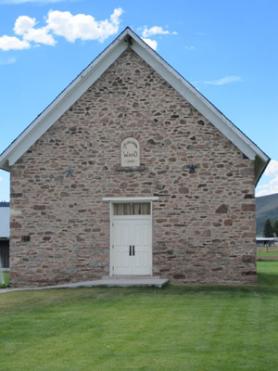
(142, 242)
(120, 247)
(132, 231)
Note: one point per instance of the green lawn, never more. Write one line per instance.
(6, 277)
(270, 251)
(175, 328)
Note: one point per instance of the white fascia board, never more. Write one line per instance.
(79, 86)
(61, 104)
(130, 199)
(201, 104)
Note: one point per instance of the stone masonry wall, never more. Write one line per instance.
(203, 223)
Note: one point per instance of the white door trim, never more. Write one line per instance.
(130, 199)
(130, 217)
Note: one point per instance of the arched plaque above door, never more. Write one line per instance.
(130, 153)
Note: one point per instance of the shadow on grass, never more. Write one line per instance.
(266, 283)
(269, 280)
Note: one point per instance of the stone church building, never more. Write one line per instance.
(131, 171)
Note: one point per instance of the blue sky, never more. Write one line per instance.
(227, 49)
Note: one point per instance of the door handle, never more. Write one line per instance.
(131, 250)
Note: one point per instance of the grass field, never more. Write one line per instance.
(6, 277)
(270, 251)
(175, 328)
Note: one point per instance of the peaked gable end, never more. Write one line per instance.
(128, 39)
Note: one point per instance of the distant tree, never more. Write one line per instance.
(268, 229)
(275, 227)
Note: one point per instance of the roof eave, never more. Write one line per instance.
(201, 103)
(95, 69)
(260, 166)
(39, 125)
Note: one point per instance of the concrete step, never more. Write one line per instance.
(119, 281)
(129, 281)
(130, 277)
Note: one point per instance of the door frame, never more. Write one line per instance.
(113, 200)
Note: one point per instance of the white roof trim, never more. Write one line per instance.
(79, 86)
(130, 199)
(192, 95)
(61, 104)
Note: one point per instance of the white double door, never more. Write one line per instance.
(131, 245)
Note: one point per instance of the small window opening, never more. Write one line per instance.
(132, 208)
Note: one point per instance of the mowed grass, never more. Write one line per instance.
(6, 279)
(174, 328)
(267, 251)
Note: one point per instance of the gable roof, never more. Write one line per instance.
(96, 68)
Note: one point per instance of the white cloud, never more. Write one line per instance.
(6, 61)
(271, 185)
(13, 43)
(224, 80)
(82, 26)
(60, 23)
(156, 30)
(24, 26)
(272, 168)
(152, 43)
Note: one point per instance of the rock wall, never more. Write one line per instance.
(203, 223)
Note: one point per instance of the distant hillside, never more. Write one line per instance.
(266, 208)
